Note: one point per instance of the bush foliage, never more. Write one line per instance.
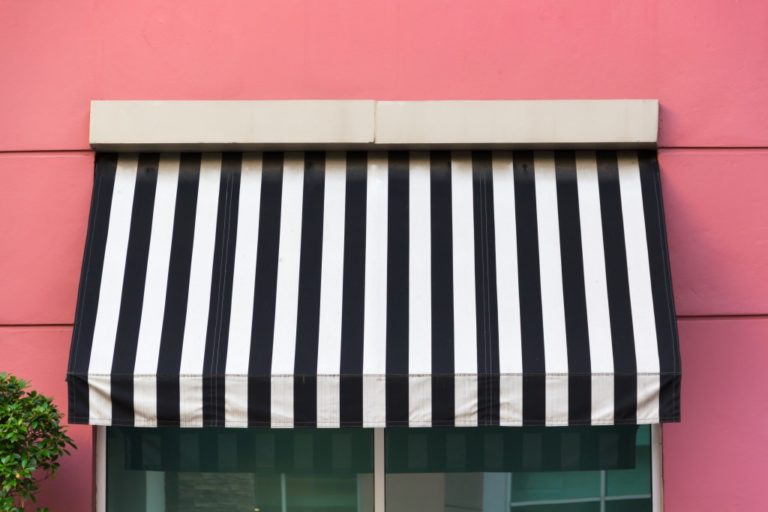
(31, 442)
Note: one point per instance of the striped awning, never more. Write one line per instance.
(375, 289)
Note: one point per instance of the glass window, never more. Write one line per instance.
(213, 470)
(487, 469)
(576, 469)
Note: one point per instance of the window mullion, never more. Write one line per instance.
(379, 490)
(602, 490)
(657, 479)
(101, 468)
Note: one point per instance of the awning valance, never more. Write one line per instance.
(375, 289)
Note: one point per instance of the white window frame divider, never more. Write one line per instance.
(100, 468)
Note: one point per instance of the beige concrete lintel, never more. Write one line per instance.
(570, 123)
(208, 124)
(368, 124)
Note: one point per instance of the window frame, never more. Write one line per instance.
(379, 476)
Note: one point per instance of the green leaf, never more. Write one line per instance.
(32, 441)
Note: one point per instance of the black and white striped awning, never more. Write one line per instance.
(375, 289)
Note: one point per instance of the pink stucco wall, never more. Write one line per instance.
(705, 60)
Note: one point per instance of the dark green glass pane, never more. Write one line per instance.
(265, 451)
(210, 470)
(214, 492)
(621, 482)
(321, 494)
(644, 435)
(635, 481)
(211, 492)
(560, 507)
(641, 505)
(556, 485)
(420, 492)
(500, 449)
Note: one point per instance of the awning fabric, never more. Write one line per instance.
(375, 289)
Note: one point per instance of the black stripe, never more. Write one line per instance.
(132, 297)
(441, 227)
(661, 284)
(574, 295)
(90, 284)
(265, 288)
(622, 334)
(353, 301)
(485, 290)
(220, 305)
(310, 271)
(397, 290)
(531, 320)
(175, 313)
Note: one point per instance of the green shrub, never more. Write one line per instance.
(31, 442)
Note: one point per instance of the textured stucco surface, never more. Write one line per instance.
(39, 355)
(715, 459)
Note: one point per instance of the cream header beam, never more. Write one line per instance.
(366, 124)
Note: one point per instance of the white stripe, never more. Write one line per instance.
(557, 399)
(507, 288)
(465, 321)
(420, 400)
(552, 308)
(595, 283)
(328, 409)
(640, 293)
(595, 288)
(638, 267)
(153, 305)
(281, 406)
(113, 271)
(420, 268)
(374, 401)
(375, 312)
(244, 278)
(190, 401)
(507, 285)
(287, 291)
(199, 296)
(602, 399)
(332, 271)
(648, 389)
(510, 400)
(99, 399)
(236, 400)
(465, 387)
(111, 289)
(331, 292)
(419, 289)
(465, 327)
(145, 400)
